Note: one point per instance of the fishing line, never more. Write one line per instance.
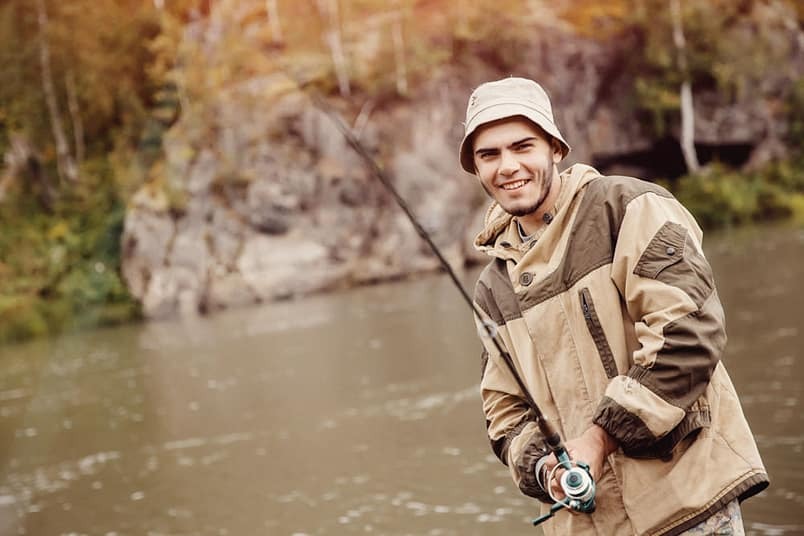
(578, 472)
(490, 327)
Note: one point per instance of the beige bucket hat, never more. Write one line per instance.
(507, 98)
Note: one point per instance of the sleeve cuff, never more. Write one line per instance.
(634, 437)
(629, 430)
(526, 465)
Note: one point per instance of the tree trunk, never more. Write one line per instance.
(64, 160)
(273, 20)
(21, 162)
(362, 118)
(687, 108)
(688, 128)
(8, 176)
(399, 51)
(75, 117)
(332, 37)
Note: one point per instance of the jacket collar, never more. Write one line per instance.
(500, 237)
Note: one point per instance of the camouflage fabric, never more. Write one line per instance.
(726, 522)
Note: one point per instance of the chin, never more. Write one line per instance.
(520, 210)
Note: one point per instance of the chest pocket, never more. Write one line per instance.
(672, 258)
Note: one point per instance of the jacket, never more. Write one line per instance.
(612, 317)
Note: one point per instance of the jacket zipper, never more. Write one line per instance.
(597, 333)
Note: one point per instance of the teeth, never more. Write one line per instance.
(513, 185)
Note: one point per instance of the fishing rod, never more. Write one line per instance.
(576, 481)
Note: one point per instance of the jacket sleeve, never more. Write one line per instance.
(668, 287)
(511, 426)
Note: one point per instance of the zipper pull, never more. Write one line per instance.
(585, 306)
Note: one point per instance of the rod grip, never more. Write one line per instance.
(553, 440)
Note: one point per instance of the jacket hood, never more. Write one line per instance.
(498, 223)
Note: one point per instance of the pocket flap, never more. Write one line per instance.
(666, 248)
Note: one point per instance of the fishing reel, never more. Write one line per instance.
(576, 483)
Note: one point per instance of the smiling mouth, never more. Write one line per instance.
(514, 185)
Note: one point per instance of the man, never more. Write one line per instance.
(607, 306)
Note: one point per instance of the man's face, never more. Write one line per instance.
(514, 160)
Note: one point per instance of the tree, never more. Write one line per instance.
(64, 159)
(717, 46)
(328, 9)
(399, 50)
(272, 9)
(687, 109)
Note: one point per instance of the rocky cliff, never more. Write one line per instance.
(260, 198)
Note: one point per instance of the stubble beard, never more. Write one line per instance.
(547, 184)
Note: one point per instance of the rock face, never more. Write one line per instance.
(261, 197)
(297, 214)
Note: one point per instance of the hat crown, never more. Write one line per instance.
(511, 90)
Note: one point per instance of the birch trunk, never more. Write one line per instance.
(75, 117)
(272, 9)
(21, 162)
(332, 37)
(399, 51)
(687, 108)
(9, 174)
(362, 118)
(64, 160)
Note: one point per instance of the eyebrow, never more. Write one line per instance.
(484, 150)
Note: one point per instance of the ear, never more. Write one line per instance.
(558, 153)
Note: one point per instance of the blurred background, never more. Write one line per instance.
(214, 320)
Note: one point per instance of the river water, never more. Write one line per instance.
(356, 412)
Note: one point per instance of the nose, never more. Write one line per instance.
(508, 163)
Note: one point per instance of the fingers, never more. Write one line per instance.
(547, 470)
(555, 481)
(555, 486)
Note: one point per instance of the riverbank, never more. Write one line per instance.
(61, 272)
(60, 269)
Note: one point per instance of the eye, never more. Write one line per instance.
(523, 146)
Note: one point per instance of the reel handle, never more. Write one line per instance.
(553, 509)
(578, 487)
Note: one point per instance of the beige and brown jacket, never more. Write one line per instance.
(612, 317)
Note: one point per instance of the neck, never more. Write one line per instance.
(533, 221)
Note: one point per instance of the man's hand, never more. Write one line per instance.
(591, 448)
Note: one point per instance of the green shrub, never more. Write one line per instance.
(719, 196)
(61, 269)
(21, 318)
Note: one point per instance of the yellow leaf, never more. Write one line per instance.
(58, 231)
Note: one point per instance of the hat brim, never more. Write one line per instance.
(502, 110)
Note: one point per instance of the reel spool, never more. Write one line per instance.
(578, 487)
